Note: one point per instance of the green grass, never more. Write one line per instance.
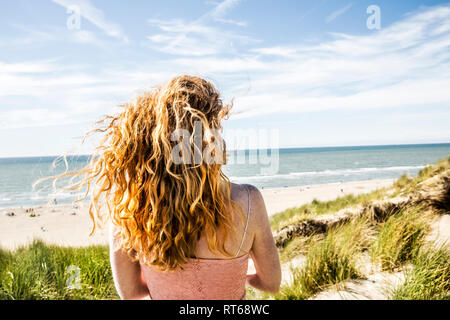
(405, 185)
(429, 277)
(253, 294)
(315, 208)
(329, 261)
(41, 272)
(433, 170)
(400, 238)
(297, 246)
(402, 182)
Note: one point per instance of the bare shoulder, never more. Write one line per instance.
(240, 192)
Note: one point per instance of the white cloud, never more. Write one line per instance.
(23, 67)
(45, 93)
(406, 64)
(31, 36)
(408, 93)
(222, 65)
(194, 38)
(84, 36)
(95, 16)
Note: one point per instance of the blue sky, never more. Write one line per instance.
(310, 70)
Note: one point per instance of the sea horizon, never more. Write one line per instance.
(284, 167)
(252, 149)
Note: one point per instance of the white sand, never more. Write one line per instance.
(440, 231)
(53, 224)
(58, 225)
(283, 198)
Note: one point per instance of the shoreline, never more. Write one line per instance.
(66, 225)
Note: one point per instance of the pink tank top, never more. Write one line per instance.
(201, 279)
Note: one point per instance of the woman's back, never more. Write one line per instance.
(200, 279)
(209, 277)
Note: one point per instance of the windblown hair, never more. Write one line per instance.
(161, 208)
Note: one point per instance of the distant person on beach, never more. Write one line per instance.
(179, 229)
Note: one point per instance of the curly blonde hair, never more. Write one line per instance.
(161, 208)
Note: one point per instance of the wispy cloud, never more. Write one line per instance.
(50, 92)
(96, 17)
(221, 10)
(29, 36)
(338, 13)
(315, 5)
(200, 37)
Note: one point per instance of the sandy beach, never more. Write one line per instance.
(70, 226)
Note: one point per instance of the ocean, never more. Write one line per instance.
(273, 169)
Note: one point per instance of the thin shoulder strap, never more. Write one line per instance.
(246, 224)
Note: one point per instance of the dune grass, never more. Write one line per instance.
(400, 238)
(429, 277)
(316, 207)
(297, 246)
(332, 258)
(329, 261)
(402, 182)
(405, 184)
(41, 272)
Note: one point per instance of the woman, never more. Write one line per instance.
(179, 228)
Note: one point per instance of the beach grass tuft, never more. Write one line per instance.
(298, 246)
(428, 278)
(329, 261)
(400, 238)
(42, 272)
